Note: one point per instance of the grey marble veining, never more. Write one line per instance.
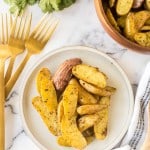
(78, 25)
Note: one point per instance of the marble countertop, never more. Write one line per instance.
(78, 25)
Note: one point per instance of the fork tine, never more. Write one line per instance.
(2, 29)
(49, 31)
(39, 25)
(28, 27)
(23, 28)
(14, 27)
(7, 34)
(19, 27)
(42, 28)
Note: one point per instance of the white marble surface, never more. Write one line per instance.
(78, 25)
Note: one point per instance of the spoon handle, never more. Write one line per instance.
(2, 99)
(146, 144)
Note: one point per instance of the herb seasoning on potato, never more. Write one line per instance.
(80, 114)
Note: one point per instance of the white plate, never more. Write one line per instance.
(121, 102)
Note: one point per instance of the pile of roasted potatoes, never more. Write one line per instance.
(131, 18)
(74, 102)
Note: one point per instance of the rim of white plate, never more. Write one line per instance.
(55, 51)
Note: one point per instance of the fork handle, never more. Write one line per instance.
(13, 79)
(146, 144)
(10, 68)
(2, 99)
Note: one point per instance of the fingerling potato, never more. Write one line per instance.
(43, 73)
(123, 6)
(71, 133)
(90, 109)
(64, 73)
(49, 117)
(112, 20)
(48, 93)
(70, 98)
(140, 18)
(107, 91)
(85, 97)
(87, 121)
(90, 74)
(130, 26)
(143, 39)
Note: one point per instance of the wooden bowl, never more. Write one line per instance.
(114, 33)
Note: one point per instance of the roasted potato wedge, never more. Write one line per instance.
(143, 39)
(123, 6)
(49, 117)
(147, 4)
(70, 98)
(112, 3)
(105, 101)
(107, 91)
(48, 93)
(121, 21)
(90, 109)
(61, 140)
(140, 18)
(112, 20)
(147, 22)
(100, 127)
(90, 74)
(85, 97)
(87, 121)
(43, 73)
(145, 28)
(71, 136)
(130, 26)
(64, 73)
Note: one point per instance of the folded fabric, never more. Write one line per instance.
(135, 135)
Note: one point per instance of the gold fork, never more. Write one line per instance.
(5, 22)
(35, 43)
(19, 33)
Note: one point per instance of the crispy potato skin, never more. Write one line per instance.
(85, 97)
(70, 99)
(123, 6)
(100, 127)
(107, 91)
(86, 72)
(64, 73)
(87, 121)
(90, 109)
(49, 117)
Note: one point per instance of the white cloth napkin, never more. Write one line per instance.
(135, 135)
